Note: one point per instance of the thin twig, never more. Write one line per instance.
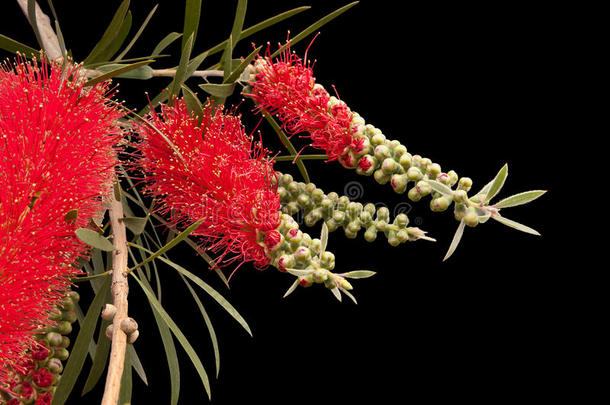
(120, 289)
(50, 42)
(196, 73)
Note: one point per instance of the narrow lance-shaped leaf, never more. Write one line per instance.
(238, 21)
(109, 35)
(117, 72)
(222, 90)
(519, 199)
(116, 43)
(180, 76)
(336, 293)
(60, 37)
(165, 42)
(94, 239)
(33, 21)
(126, 381)
(344, 291)
(516, 225)
(192, 102)
(497, 184)
(315, 26)
(440, 187)
(323, 238)
(192, 15)
(179, 336)
(358, 274)
(235, 74)
(292, 288)
(79, 350)
(456, 240)
(10, 45)
(135, 224)
(137, 34)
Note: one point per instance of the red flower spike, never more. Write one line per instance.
(56, 155)
(212, 170)
(42, 377)
(286, 88)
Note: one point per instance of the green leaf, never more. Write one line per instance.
(33, 21)
(169, 348)
(315, 26)
(118, 40)
(181, 236)
(192, 102)
(194, 64)
(299, 272)
(140, 73)
(260, 26)
(516, 225)
(520, 199)
(336, 293)
(136, 364)
(292, 288)
(207, 288)
(135, 224)
(101, 357)
(165, 42)
(208, 324)
(192, 15)
(126, 381)
(60, 37)
(235, 74)
(238, 22)
(94, 239)
(180, 75)
(117, 72)
(497, 183)
(138, 33)
(358, 274)
(79, 351)
(227, 58)
(109, 35)
(218, 90)
(456, 240)
(323, 238)
(178, 334)
(13, 46)
(344, 291)
(288, 145)
(440, 187)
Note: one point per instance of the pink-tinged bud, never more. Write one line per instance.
(320, 276)
(399, 183)
(55, 366)
(443, 178)
(348, 160)
(42, 378)
(306, 281)
(423, 188)
(273, 240)
(285, 262)
(302, 255)
(366, 165)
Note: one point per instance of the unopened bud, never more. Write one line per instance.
(132, 337)
(302, 255)
(343, 283)
(306, 281)
(285, 262)
(108, 312)
(129, 325)
(110, 331)
(414, 174)
(471, 218)
(370, 235)
(439, 204)
(399, 183)
(433, 170)
(460, 196)
(54, 365)
(74, 296)
(465, 183)
(388, 166)
(423, 188)
(64, 327)
(54, 339)
(320, 276)
(62, 354)
(405, 160)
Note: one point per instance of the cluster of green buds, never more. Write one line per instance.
(338, 211)
(295, 252)
(389, 162)
(36, 383)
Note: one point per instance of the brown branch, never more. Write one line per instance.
(120, 289)
(50, 43)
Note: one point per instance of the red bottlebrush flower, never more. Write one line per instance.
(212, 170)
(286, 88)
(40, 352)
(56, 155)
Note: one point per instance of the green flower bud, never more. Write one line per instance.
(303, 200)
(354, 209)
(371, 234)
(433, 170)
(378, 138)
(460, 196)
(328, 260)
(69, 316)
(62, 354)
(350, 234)
(333, 196)
(405, 160)
(67, 304)
(342, 203)
(339, 216)
(317, 195)
(382, 152)
(443, 178)
(383, 213)
(381, 225)
(425, 162)
(310, 187)
(414, 195)
(402, 235)
(332, 225)
(330, 284)
(53, 338)
(292, 207)
(393, 238)
(313, 217)
(399, 183)
(423, 188)
(381, 177)
(439, 204)
(285, 262)
(315, 244)
(370, 208)
(401, 220)
(326, 204)
(55, 366)
(293, 188)
(343, 283)
(302, 255)
(465, 183)
(65, 341)
(64, 327)
(320, 276)
(353, 227)
(74, 296)
(365, 217)
(453, 177)
(399, 150)
(388, 166)
(459, 211)
(471, 218)
(414, 174)
(286, 179)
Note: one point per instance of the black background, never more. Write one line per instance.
(469, 86)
